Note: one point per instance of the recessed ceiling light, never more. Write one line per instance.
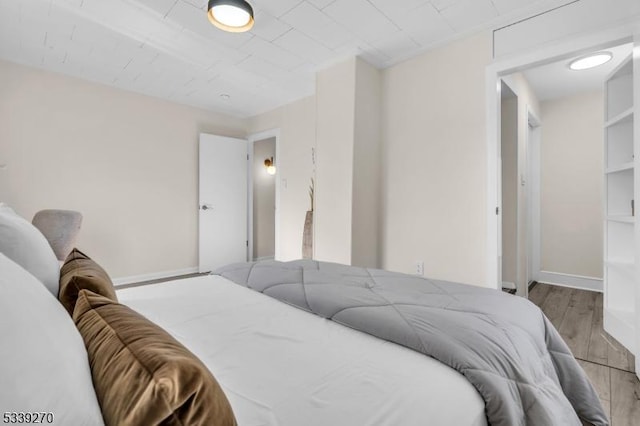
(235, 16)
(590, 61)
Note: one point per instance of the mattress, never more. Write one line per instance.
(279, 365)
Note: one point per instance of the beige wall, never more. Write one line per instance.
(128, 162)
(264, 200)
(434, 161)
(297, 123)
(432, 173)
(571, 185)
(365, 216)
(335, 93)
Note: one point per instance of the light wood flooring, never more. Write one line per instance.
(577, 314)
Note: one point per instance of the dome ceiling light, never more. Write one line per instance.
(234, 16)
(590, 61)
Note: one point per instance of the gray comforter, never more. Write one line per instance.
(504, 345)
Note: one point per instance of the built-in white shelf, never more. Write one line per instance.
(619, 243)
(620, 283)
(619, 140)
(618, 96)
(620, 168)
(625, 116)
(622, 219)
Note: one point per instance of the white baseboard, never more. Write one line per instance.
(153, 276)
(509, 285)
(572, 281)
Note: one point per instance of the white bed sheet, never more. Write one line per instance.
(279, 365)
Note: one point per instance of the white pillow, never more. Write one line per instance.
(23, 243)
(44, 364)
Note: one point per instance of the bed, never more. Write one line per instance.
(279, 365)
(272, 343)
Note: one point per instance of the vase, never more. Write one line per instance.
(307, 236)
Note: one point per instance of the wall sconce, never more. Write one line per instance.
(270, 165)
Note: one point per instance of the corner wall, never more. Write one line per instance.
(347, 225)
(335, 95)
(367, 164)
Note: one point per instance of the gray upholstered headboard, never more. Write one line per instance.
(60, 228)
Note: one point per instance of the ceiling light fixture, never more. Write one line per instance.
(270, 165)
(235, 16)
(590, 61)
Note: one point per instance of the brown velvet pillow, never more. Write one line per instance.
(142, 375)
(81, 272)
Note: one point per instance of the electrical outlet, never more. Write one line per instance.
(420, 268)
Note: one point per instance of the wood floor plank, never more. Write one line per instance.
(600, 377)
(576, 324)
(618, 356)
(539, 293)
(632, 362)
(567, 309)
(619, 391)
(625, 398)
(556, 303)
(598, 344)
(606, 406)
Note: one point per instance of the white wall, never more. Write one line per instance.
(572, 185)
(434, 157)
(297, 124)
(264, 200)
(128, 162)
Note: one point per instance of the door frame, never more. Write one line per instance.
(266, 134)
(567, 48)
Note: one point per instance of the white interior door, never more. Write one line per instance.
(223, 201)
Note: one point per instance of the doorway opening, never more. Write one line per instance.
(551, 174)
(263, 196)
(264, 199)
(572, 156)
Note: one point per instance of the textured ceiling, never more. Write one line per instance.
(168, 49)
